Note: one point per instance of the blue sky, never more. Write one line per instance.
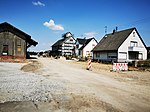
(47, 20)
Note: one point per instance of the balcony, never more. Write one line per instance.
(134, 48)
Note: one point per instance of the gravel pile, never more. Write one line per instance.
(16, 85)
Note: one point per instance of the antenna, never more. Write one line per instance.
(116, 28)
(105, 29)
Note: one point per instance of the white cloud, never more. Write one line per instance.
(90, 34)
(53, 26)
(38, 3)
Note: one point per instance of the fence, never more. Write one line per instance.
(120, 66)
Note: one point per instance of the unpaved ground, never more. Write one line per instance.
(65, 86)
(32, 66)
(134, 75)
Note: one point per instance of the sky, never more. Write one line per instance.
(46, 20)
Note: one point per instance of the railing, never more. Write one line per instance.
(133, 48)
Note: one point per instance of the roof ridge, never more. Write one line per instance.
(10, 25)
(122, 30)
(113, 41)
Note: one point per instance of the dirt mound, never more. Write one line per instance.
(73, 103)
(31, 67)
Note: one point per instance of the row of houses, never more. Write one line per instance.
(118, 46)
(69, 46)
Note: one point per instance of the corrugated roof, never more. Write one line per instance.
(113, 41)
(8, 27)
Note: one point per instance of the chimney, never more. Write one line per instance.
(113, 31)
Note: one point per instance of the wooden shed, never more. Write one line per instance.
(14, 42)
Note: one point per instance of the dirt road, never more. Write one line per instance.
(63, 87)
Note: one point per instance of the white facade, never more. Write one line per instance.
(65, 46)
(87, 50)
(132, 49)
(78, 46)
(68, 46)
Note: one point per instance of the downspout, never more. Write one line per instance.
(117, 56)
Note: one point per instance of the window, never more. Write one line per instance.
(77, 46)
(5, 50)
(18, 46)
(122, 55)
(133, 44)
(87, 53)
(97, 55)
(112, 57)
(71, 39)
(133, 34)
(19, 49)
(93, 45)
(133, 55)
(140, 56)
(79, 52)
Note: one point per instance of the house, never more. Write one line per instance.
(13, 42)
(85, 46)
(121, 46)
(64, 46)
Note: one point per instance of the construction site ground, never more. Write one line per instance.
(58, 85)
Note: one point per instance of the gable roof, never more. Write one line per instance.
(81, 41)
(4, 27)
(86, 42)
(59, 42)
(113, 41)
(148, 49)
(66, 35)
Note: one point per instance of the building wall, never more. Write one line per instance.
(68, 46)
(123, 51)
(16, 45)
(54, 48)
(105, 55)
(87, 50)
(100, 55)
(77, 52)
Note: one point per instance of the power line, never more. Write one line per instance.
(143, 20)
(137, 21)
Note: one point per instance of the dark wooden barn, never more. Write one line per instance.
(14, 42)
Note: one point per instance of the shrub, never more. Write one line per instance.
(145, 63)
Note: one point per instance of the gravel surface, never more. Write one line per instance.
(61, 86)
(16, 85)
